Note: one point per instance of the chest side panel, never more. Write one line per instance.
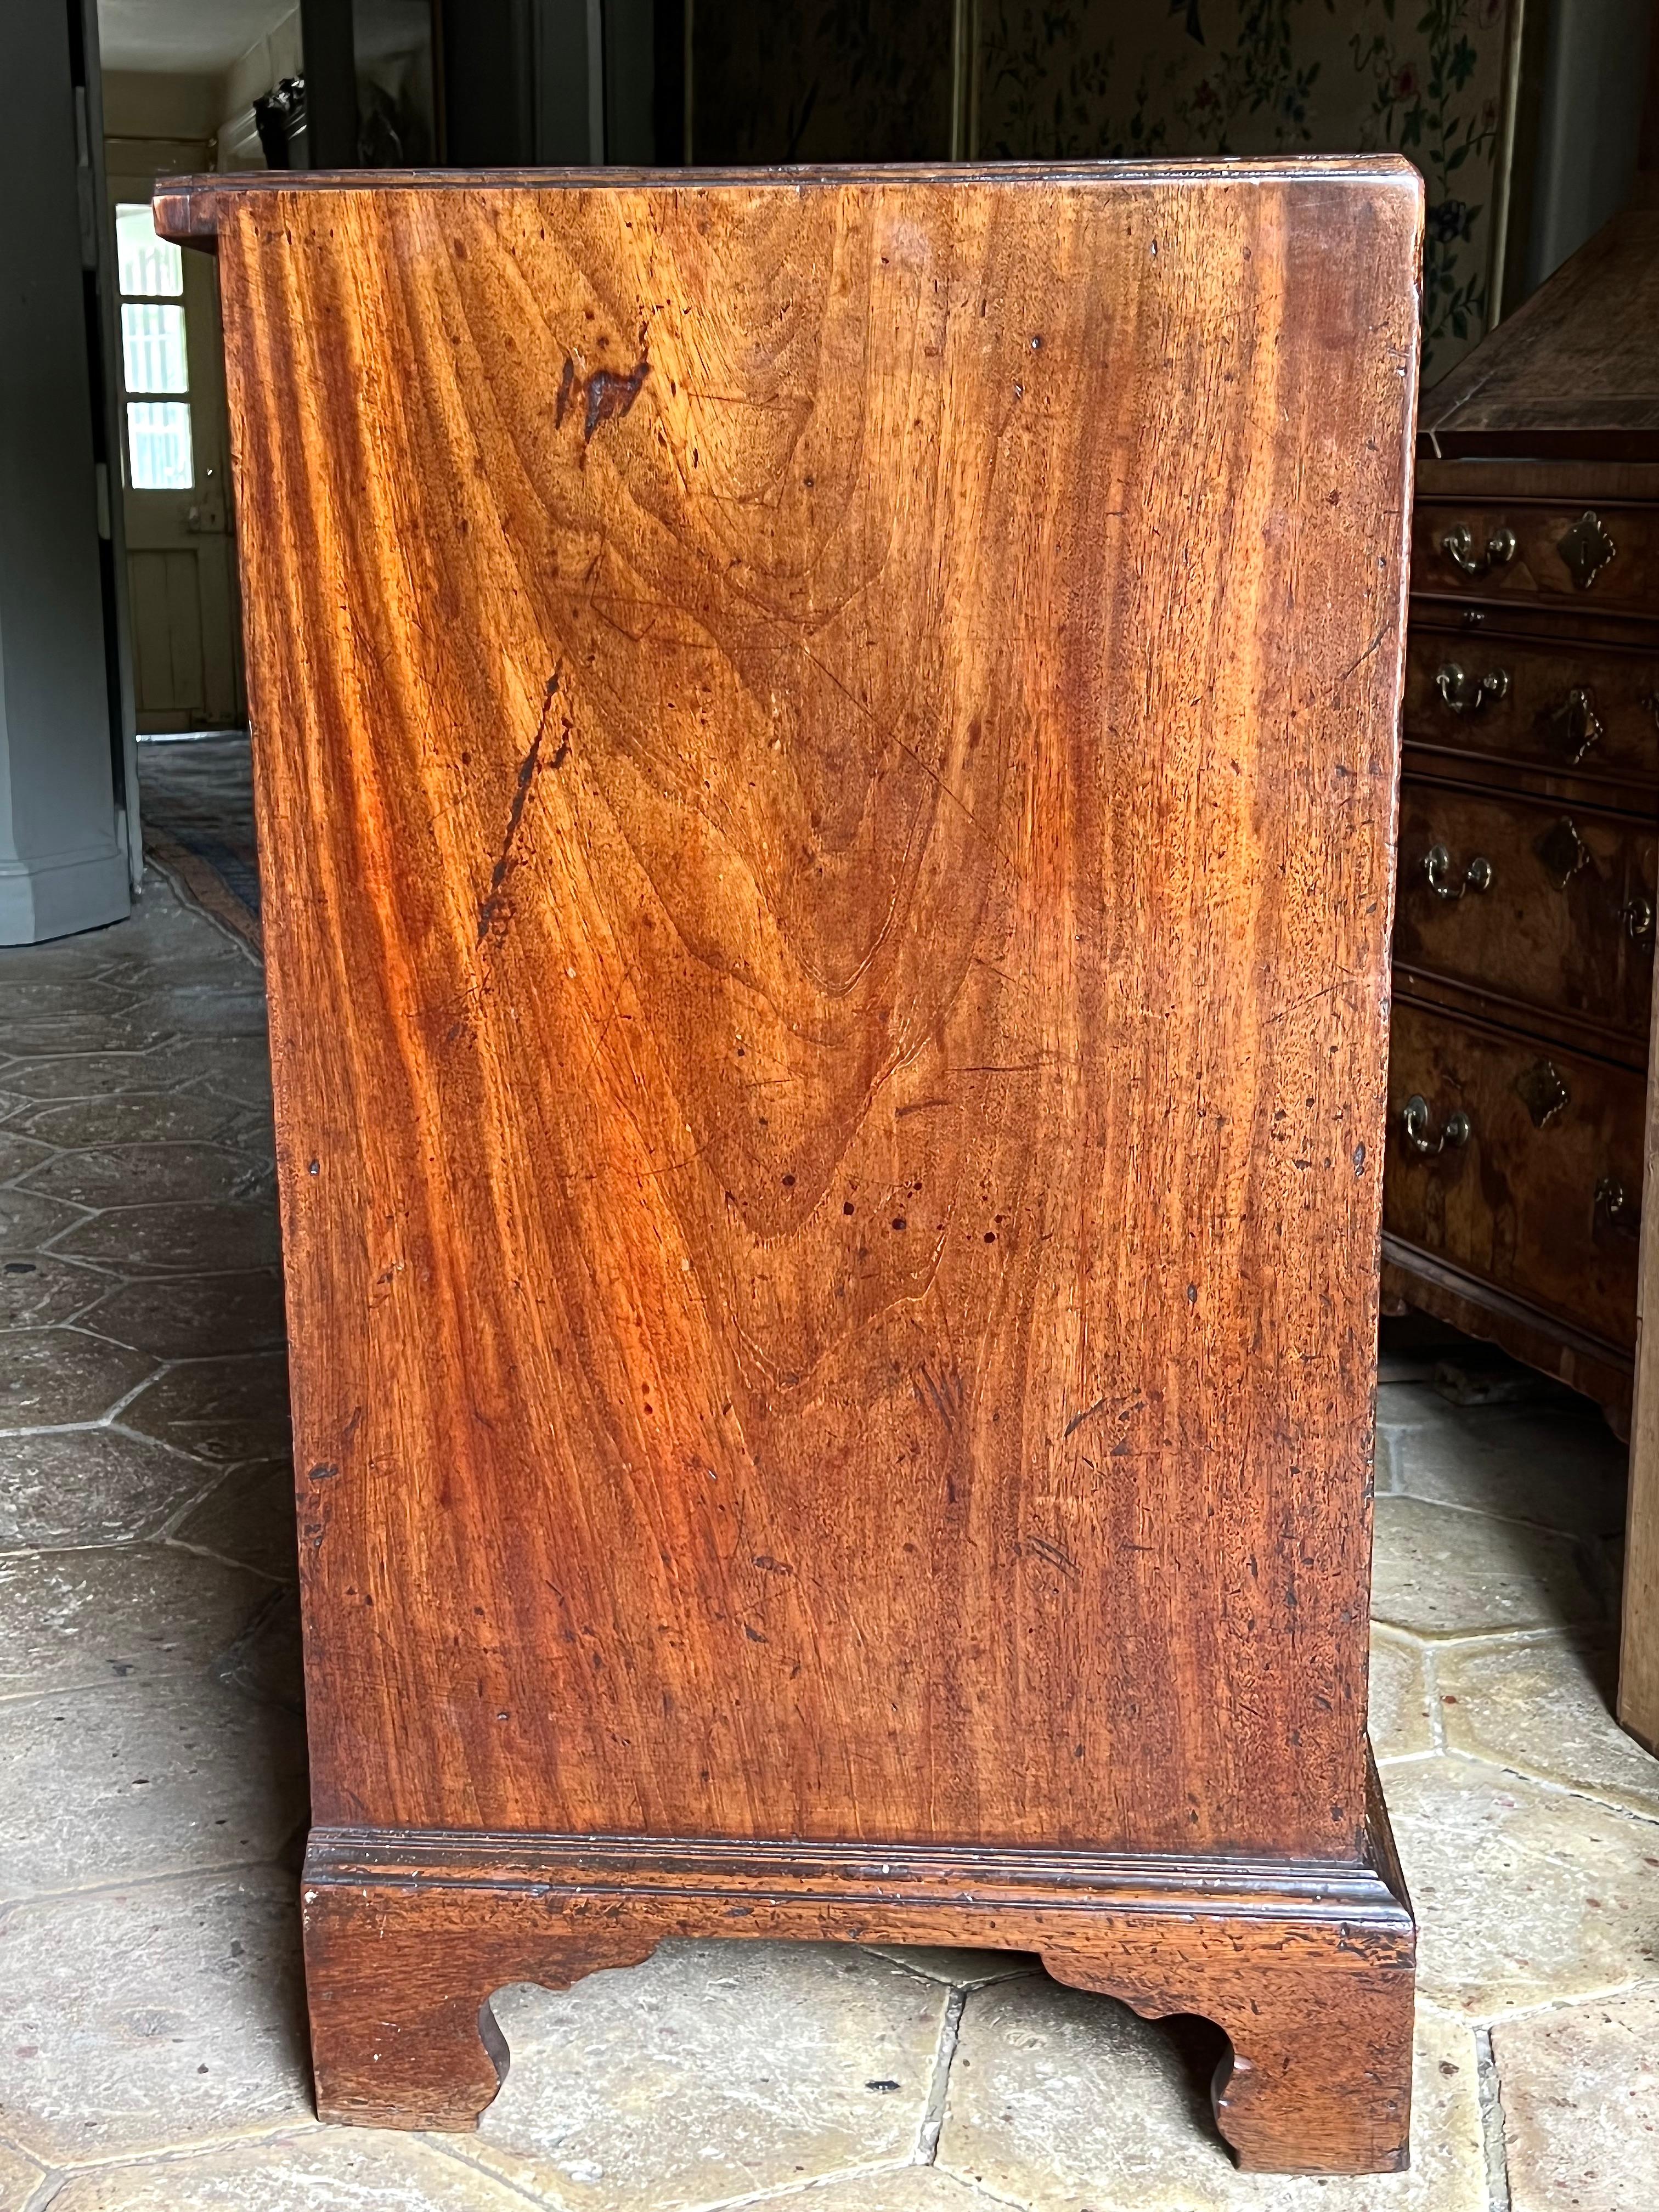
(826, 759)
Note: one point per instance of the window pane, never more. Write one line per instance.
(146, 262)
(153, 349)
(158, 442)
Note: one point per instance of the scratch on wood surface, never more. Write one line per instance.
(1087, 1414)
(492, 907)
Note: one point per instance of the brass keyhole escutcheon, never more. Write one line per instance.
(1585, 549)
(1563, 852)
(1575, 723)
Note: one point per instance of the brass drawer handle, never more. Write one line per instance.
(1415, 1124)
(1638, 920)
(1458, 546)
(1614, 1209)
(1471, 695)
(1576, 724)
(1436, 863)
(1585, 549)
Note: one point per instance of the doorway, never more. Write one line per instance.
(186, 645)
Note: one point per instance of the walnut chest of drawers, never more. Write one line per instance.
(1524, 932)
(826, 750)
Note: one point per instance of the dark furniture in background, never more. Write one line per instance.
(1524, 933)
(826, 750)
(1521, 1080)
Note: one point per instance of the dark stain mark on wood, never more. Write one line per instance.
(610, 396)
(492, 907)
(561, 404)
(326, 1473)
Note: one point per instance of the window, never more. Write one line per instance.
(153, 361)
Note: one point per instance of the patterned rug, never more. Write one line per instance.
(195, 799)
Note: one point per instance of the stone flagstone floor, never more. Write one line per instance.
(153, 1801)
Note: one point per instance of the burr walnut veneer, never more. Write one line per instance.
(826, 750)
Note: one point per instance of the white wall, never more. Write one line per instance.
(1596, 78)
(62, 865)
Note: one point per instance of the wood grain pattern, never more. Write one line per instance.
(1562, 933)
(1578, 712)
(1638, 1651)
(1524, 1204)
(826, 753)
(1553, 415)
(1541, 571)
(1569, 374)
(1309, 1971)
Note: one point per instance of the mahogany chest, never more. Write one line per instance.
(826, 750)
(1524, 942)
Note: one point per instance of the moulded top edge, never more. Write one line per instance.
(188, 209)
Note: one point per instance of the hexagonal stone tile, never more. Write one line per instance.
(253, 1135)
(48, 1037)
(177, 1174)
(90, 1487)
(219, 1409)
(1441, 1572)
(194, 1316)
(206, 957)
(713, 2070)
(1523, 1894)
(67, 989)
(249, 1517)
(52, 1375)
(88, 955)
(267, 1659)
(20, 2178)
(1401, 1724)
(1561, 1467)
(181, 1240)
(38, 1289)
(132, 1117)
(960, 1968)
(153, 2016)
(98, 1074)
(235, 1068)
(323, 2170)
(1545, 1707)
(1581, 2105)
(75, 1620)
(205, 1009)
(890, 2189)
(143, 1778)
(28, 1221)
(18, 1154)
(1070, 2103)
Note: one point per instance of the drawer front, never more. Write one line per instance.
(1536, 1189)
(1543, 906)
(1565, 708)
(1604, 556)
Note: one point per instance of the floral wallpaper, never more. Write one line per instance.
(1128, 77)
(871, 81)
